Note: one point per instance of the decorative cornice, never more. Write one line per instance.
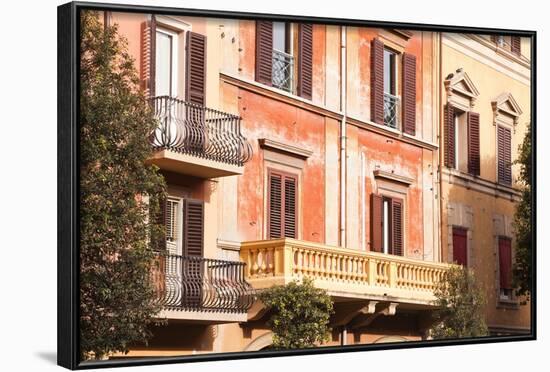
(453, 84)
(393, 177)
(266, 143)
(500, 105)
(405, 34)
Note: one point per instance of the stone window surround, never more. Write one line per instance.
(462, 216)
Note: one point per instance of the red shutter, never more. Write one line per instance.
(397, 227)
(473, 144)
(377, 81)
(460, 255)
(376, 226)
(193, 227)
(148, 42)
(264, 51)
(504, 156)
(449, 136)
(195, 77)
(409, 94)
(505, 262)
(516, 45)
(305, 58)
(275, 193)
(290, 207)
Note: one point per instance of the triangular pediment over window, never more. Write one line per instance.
(505, 103)
(459, 82)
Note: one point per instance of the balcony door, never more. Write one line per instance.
(166, 63)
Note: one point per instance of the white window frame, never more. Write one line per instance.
(174, 58)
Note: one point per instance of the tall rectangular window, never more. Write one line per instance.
(283, 59)
(391, 100)
(505, 267)
(165, 62)
(282, 205)
(386, 225)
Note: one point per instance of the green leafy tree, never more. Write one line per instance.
(117, 194)
(300, 314)
(522, 221)
(460, 305)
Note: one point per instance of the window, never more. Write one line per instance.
(191, 212)
(509, 43)
(505, 267)
(391, 100)
(282, 205)
(166, 62)
(284, 54)
(462, 150)
(504, 154)
(460, 252)
(386, 225)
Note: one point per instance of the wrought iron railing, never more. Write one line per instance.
(200, 131)
(392, 107)
(282, 71)
(201, 284)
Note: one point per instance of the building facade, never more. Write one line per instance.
(294, 150)
(486, 92)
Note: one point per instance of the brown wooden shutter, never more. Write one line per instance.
(460, 255)
(305, 58)
(195, 71)
(148, 55)
(290, 207)
(264, 52)
(376, 206)
(397, 227)
(494, 38)
(409, 94)
(193, 227)
(275, 193)
(505, 262)
(377, 81)
(504, 155)
(160, 219)
(516, 45)
(473, 144)
(449, 136)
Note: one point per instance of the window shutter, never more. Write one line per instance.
(473, 144)
(460, 255)
(397, 226)
(290, 207)
(376, 226)
(264, 51)
(160, 219)
(516, 45)
(148, 41)
(504, 156)
(505, 262)
(449, 136)
(377, 81)
(193, 227)
(494, 38)
(305, 57)
(195, 72)
(275, 193)
(409, 94)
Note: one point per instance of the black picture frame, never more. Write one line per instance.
(68, 184)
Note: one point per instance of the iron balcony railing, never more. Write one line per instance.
(392, 108)
(200, 131)
(282, 71)
(201, 284)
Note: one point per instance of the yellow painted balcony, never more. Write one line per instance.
(345, 273)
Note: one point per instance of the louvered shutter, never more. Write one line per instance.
(148, 51)
(195, 62)
(376, 222)
(473, 144)
(305, 58)
(516, 45)
(275, 193)
(193, 227)
(504, 155)
(460, 255)
(449, 136)
(505, 262)
(397, 227)
(377, 81)
(409, 94)
(264, 52)
(290, 207)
